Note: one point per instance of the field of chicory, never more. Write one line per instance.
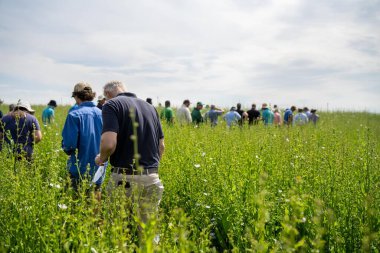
(255, 189)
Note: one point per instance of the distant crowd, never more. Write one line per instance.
(124, 134)
(237, 116)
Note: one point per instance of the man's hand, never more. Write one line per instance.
(108, 143)
(98, 161)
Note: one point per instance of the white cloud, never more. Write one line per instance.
(217, 51)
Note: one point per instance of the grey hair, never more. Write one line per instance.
(113, 85)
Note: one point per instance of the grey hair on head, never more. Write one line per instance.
(113, 85)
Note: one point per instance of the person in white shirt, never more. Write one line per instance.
(183, 113)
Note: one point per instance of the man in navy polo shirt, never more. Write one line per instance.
(81, 136)
(134, 165)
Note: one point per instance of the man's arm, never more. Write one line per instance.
(70, 135)
(37, 131)
(161, 147)
(189, 118)
(37, 136)
(108, 143)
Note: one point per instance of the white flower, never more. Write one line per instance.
(323, 147)
(205, 180)
(279, 190)
(197, 165)
(55, 185)
(62, 206)
(205, 193)
(203, 154)
(287, 139)
(303, 220)
(208, 207)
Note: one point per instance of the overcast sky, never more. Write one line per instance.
(307, 53)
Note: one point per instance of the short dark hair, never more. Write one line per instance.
(167, 103)
(186, 101)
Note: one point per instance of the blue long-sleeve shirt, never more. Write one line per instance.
(81, 139)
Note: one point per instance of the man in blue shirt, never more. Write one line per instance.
(213, 115)
(288, 115)
(81, 136)
(48, 113)
(232, 117)
(301, 118)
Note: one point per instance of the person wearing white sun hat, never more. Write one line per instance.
(24, 131)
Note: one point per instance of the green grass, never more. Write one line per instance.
(255, 189)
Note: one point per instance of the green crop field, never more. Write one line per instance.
(258, 189)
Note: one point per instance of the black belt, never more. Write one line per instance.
(128, 171)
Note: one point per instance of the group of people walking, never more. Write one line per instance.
(126, 133)
(237, 116)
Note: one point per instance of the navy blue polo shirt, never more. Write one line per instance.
(117, 119)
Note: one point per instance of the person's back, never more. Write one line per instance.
(196, 114)
(213, 115)
(300, 119)
(288, 115)
(47, 115)
(183, 113)
(81, 135)
(148, 130)
(314, 117)
(232, 117)
(48, 112)
(277, 118)
(167, 113)
(127, 121)
(242, 114)
(253, 115)
(82, 131)
(268, 116)
(22, 128)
